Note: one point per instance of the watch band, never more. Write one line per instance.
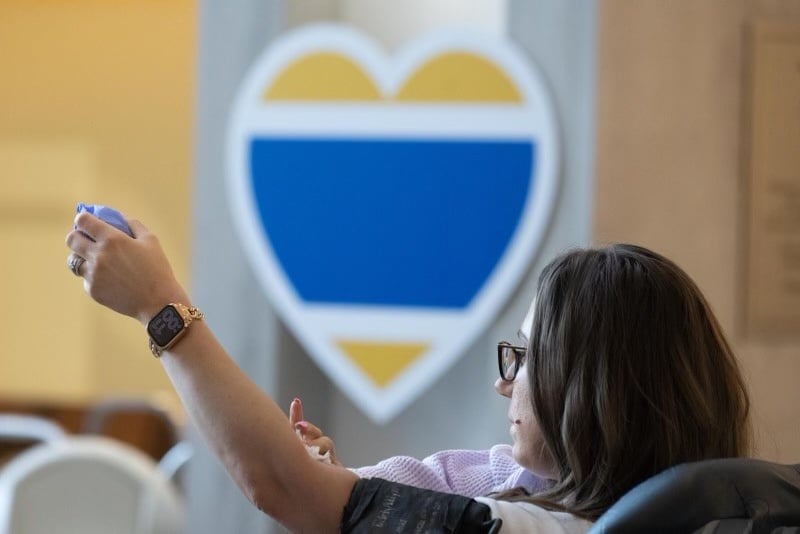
(188, 314)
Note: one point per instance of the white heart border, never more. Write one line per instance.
(449, 332)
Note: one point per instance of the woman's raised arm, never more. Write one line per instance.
(242, 425)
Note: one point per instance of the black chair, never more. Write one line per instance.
(725, 496)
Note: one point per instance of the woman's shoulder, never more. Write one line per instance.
(523, 517)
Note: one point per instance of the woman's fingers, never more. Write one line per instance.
(324, 443)
(137, 228)
(80, 244)
(308, 431)
(295, 411)
(83, 239)
(309, 434)
(92, 227)
(75, 263)
(325, 446)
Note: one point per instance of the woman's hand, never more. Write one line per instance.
(310, 435)
(130, 275)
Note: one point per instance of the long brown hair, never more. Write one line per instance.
(630, 374)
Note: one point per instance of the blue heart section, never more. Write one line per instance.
(390, 222)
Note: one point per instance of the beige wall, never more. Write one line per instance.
(670, 173)
(95, 105)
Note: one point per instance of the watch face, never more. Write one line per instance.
(167, 324)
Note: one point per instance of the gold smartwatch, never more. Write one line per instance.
(169, 325)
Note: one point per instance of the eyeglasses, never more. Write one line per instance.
(509, 359)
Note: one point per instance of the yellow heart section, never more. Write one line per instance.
(382, 362)
(450, 77)
(322, 76)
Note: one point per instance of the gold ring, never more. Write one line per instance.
(74, 263)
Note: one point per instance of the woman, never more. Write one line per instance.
(625, 372)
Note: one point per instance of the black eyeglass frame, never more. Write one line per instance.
(519, 355)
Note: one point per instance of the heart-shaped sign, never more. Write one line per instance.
(389, 205)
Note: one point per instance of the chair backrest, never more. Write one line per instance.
(174, 464)
(726, 495)
(14, 427)
(140, 422)
(19, 431)
(87, 485)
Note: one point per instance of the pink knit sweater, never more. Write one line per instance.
(469, 473)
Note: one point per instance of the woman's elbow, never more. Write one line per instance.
(276, 500)
(273, 504)
(301, 500)
(263, 491)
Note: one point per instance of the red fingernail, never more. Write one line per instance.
(301, 424)
(296, 400)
